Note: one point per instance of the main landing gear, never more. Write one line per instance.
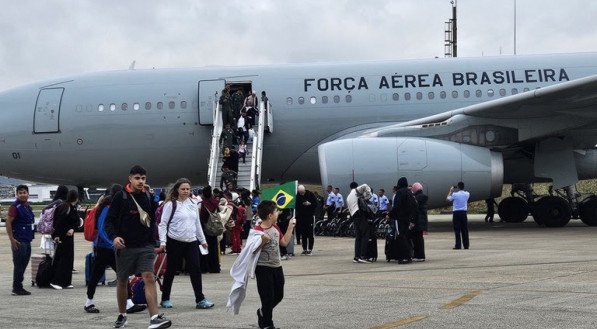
(554, 210)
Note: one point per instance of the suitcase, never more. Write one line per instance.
(89, 264)
(159, 268)
(36, 259)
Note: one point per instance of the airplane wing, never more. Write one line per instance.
(508, 120)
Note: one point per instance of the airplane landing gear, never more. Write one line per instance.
(588, 211)
(513, 209)
(552, 211)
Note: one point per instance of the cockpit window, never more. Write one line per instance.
(100, 107)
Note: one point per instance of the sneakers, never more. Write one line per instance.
(166, 304)
(91, 309)
(418, 259)
(363, 261)
(159, 322)
(304, 252)
(20, 292)
(70, 286)
(136, 308)
(285, 257)
(205, 304)
(355, 260)
(309, 253)
(120, 321)
(55, 286)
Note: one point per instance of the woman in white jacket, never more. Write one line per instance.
(180, 235)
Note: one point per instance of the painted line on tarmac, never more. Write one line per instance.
(461, 300)
(401, 322)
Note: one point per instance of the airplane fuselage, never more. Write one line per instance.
(106, 122)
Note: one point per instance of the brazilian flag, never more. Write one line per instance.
(283, 195)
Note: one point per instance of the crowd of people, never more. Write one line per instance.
(132, 226)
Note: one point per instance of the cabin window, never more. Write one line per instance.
(313, 100)
(419, 95)
(431, 95)
(183, 105)
(112, 107)
(124, 106)
(514, 91)
(171, 105)
(466, 94)
(136, 107)
(289, 100)
(490, 92)
(100, 107)
(502, 92)
(148, 106)
(348, 98)
(395, 96)
(478, 93)
(336, 99)
(407, 96)
(301, 100)
(525, 89)
(455, 94)
(442, 94)
(324, 99)
(160, 105)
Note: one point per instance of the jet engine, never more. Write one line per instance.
(437, 164)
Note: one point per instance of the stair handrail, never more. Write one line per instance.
(256, 154)
(214, 153)
(270, 118)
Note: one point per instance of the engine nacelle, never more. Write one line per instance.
(436, 164)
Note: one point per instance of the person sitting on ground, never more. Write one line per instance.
(181, 234)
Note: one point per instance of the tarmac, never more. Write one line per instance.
(513, 276)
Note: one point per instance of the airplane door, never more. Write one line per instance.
(47, 111)
(209, 91)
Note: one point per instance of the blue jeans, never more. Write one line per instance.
(20, 259)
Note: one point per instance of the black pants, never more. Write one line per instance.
(416, 238)
(103, 258)
(306, 232)
(63, 262)
(211, 262)
(177, 251)
(270, 285)
(460, 221)
(361, 240)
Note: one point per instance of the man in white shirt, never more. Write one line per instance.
(459, 198)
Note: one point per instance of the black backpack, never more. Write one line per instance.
(45, 272)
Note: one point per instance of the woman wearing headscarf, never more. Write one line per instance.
(420, 223)
(210, 262)
(66, 220)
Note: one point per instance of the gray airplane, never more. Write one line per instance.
(484, 121)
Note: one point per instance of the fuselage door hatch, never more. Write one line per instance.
(46, 117)
(209, 92)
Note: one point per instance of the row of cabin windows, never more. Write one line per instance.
(136, 106)
(407, 96)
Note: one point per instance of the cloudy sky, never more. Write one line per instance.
(45, 39)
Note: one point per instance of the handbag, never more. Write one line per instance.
(143, 215)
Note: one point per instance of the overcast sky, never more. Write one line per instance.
(46, 39)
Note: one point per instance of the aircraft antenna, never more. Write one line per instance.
(450, 34)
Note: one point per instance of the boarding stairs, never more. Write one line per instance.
(249, 173)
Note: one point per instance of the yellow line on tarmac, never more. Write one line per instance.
(461, 300)
(401, 322)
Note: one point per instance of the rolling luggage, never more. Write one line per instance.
(159, 268)
(89, 264)
(45, 270)
(36, 259)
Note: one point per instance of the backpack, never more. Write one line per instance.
(89, 225)
(46, 222)
(44, 272)
(138, 290)
(158, 219)
(214, 226)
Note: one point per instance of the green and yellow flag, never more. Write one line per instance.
(283, 195)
